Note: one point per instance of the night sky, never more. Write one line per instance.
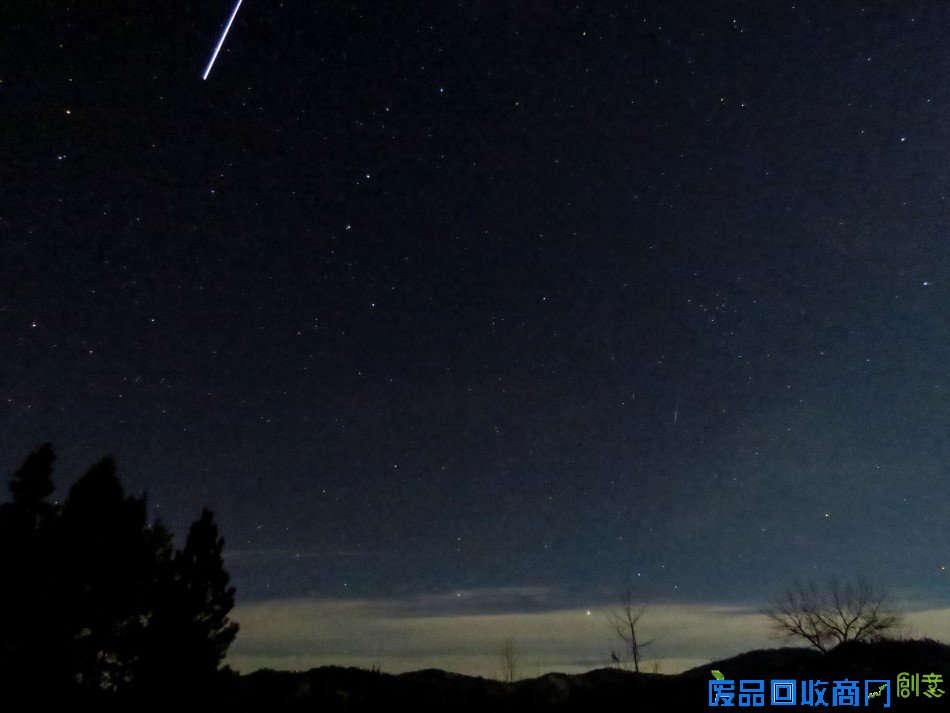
(536, 299)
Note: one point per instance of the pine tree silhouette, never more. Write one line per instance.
(190, 631)
(28, 616)
(108, 569)
(33, 482)
(207, 597)
(97, 605)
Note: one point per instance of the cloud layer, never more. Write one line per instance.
(465, 632)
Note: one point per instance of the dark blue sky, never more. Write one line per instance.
(430, 296)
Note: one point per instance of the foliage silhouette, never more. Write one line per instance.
(27, 608)
(97, 604)
(190, 631)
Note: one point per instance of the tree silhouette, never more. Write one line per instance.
(95, 601)
(108, 568)
(28, 616)
(33, 482)
(830, 615)
(207, 596)
(190, 631)
(509, 660)
(625, 620)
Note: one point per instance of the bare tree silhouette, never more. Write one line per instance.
(828, 615)
(509, 660)
(625, 620)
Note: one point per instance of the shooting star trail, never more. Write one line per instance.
(224, 34)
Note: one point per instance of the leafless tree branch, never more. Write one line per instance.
(625, 620)
(828, 615)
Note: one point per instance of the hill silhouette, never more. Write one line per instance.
(334, 688)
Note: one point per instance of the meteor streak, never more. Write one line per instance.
(224, 34)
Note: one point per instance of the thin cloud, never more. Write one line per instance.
(449, 631)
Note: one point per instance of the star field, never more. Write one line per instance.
(472, 295)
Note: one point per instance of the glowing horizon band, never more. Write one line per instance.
(224, 34)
